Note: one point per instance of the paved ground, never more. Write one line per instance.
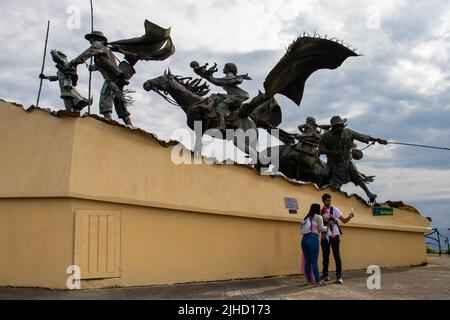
(429, 282)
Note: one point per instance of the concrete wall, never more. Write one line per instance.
(177, 223)
(36, 242)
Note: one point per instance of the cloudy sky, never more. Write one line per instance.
(398, 89)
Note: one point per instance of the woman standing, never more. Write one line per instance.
(311, 228)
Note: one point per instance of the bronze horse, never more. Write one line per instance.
(189, 95)
(296, 160)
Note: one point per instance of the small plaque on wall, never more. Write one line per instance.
(383, 211)
(291, 205)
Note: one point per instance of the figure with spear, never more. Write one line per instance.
(67, 78)
(155, 44)
(115, 78)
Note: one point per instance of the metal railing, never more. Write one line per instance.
(438, 238)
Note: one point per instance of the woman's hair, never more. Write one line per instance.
(313, 210)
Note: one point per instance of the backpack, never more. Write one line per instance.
(305, 226)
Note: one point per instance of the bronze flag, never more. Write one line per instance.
(304, 56)
(155, 44)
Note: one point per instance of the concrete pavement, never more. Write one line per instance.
(427, 282)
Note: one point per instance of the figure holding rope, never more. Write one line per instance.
(337, 144)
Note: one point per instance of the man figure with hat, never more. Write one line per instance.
(337, 144)
(115, 78)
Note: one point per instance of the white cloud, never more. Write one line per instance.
(407, 183)
(425, 78)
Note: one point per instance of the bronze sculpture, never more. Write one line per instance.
(115, 78)
(189, 94)
(301, 160)
(67, 78)
(311, 131)
(155, 44)
(303, 57)
(337, 144)
(288, 78)
(300, 155)
(224, 104)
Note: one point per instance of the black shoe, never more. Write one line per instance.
(339, 280)
(324, 278)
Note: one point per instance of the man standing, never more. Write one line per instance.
(115, 78)
(337, 144)
(331, 238)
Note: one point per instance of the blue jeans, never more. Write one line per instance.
(310, 247)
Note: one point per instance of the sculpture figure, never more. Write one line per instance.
(155, 44)
(115, 78)
(311, 131)
(224, 104)
(337, 144)
(68, 79)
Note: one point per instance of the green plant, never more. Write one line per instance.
(432, 251)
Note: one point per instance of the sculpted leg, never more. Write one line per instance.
(106, 101)
(370, 195)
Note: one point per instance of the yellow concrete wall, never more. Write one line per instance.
(36, 242)
(161, 246)
(36, 153)
(179, 223)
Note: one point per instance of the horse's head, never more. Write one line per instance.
(168, 81)
(161, 83)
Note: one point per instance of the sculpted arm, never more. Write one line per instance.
(366, 138)
(87, 54)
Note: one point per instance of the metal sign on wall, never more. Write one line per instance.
(291, 205)
(383, 211)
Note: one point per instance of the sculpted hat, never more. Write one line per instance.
(96, 35)
(336, 120)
